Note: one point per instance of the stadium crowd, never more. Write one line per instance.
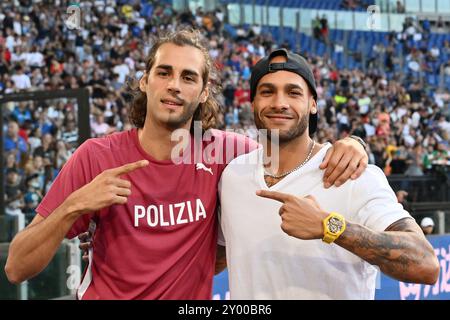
(404, 120)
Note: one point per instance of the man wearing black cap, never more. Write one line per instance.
(300, 260)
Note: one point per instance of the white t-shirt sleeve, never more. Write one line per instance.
(220, 236)
(375, 201)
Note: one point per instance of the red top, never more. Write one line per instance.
(242, 95)
(161, 244)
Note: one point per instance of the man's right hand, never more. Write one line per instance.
(105, 190)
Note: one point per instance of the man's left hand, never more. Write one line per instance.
(346, 159)
(301, 217)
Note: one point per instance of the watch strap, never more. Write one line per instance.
(360, 140)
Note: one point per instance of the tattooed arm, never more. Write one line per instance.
(401, 251)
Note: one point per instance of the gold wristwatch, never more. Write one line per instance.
(333, 227)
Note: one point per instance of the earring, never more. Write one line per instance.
(314, 111)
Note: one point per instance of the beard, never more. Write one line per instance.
(284, 136)
(173, 119)
(177, 121)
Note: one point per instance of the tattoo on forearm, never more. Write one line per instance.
(394, 252)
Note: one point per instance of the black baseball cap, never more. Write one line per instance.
(294, 63)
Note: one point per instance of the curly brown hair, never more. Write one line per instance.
(207, 112)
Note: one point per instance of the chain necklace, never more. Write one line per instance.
(278, 176)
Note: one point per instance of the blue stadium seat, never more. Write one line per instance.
(290, 4)
(320, 48)
(430, 79)
(447, 81)
(308, 4)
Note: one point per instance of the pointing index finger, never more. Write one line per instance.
(127, 168)
(274, 195)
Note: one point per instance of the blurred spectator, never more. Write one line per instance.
(400, 7)
(414, 161)
(384, 127)
(438, 155)
(13, 142)
(31, 201)
(122, 70)
(10, 161)
(62, 154)
(444, 125)
(440, 24)
(316, 26)
(13, 194)
(324, 29)
(98, 126)
(427, 225)
(32, 193)
(20, 79)
(351, 4)
(398, 161)
(401, 196)
(21, 113)
(70, 134)
(46, 150)
(242, 93)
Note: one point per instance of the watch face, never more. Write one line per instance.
(335, 225)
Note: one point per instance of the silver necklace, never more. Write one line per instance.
(278, 176)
